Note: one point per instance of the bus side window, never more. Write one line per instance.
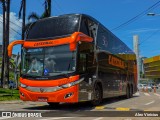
(82, 62)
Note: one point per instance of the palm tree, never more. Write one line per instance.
(47, 12)
(34, 16)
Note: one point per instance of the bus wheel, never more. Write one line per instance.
(131, 92)
(127, 92)
(97, 95)
(53, 104)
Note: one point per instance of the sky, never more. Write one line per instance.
(111, 13)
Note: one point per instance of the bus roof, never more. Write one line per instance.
(62, 26)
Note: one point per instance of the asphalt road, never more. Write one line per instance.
(115, 108)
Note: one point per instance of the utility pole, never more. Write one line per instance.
(6, 65)
(24, 19)
(3, 43)
(136, 50)
(17, 62)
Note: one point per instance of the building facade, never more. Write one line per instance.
(152, 67)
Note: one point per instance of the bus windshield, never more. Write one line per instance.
(48, 61)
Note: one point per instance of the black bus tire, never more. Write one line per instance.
(131, 92)
(53, 104)
(127, 92)
(97, 95)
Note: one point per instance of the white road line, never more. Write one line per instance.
(147, 94)
(150, 102)
(4, 118)
(157, 94)
(57, 118)
(98, 118)
(137, 93)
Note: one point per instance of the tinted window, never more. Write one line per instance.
(107, 41)
(54, 27)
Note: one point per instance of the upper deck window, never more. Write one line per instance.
(54, 27)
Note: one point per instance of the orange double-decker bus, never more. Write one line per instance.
(72, 58)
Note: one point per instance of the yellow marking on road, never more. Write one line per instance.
(147, 110)
(99, 107)
(123, 109)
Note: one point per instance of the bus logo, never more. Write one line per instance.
(43, 43)
(116, 62)
(41, 90)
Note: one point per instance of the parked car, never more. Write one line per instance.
(144, 87)
(153, 85)
(140, 87)
(11, 84)
(147, 87)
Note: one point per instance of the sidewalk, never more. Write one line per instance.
(11, 102)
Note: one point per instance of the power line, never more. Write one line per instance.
(11, 28)
(137, 16)
(150, 36)
(14, 23)
(60, 8)
(16, 18)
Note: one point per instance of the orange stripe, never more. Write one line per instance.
(73, 39)
(46, 43)
(49, 83)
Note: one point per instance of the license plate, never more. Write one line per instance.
(42, 99)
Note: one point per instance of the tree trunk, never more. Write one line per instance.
(6, 68)
(24, 18)
(3, 46)
(49, 7)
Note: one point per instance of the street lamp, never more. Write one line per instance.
(153, 14)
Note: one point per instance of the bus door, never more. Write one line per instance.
(86, 69)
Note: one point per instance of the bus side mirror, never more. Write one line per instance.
(78, 36)
(10, 46)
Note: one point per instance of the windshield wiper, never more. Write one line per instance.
(61, 73)
(65, 74)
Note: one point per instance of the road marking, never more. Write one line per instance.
(120, 103)
(147, 94)
(99, 107)
(123, 109)
(157, 94)
(4, 118)
(147, 110)
(57, 118)
(150, 102)
(137, 93)
(98, 118)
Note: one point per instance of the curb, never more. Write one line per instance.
(118, 108)
(11, 102)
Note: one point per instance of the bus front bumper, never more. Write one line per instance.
(69, 95)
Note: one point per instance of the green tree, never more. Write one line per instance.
(34, 16)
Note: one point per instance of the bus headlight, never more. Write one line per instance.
(67, 85)
(23, 85)
(71, 84)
